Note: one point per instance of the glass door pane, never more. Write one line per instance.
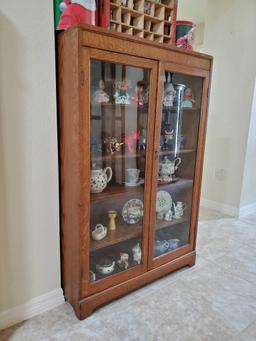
(118, 125)
(181, 107)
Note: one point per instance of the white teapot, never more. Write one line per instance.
(167, 168)
(178, 209)
(100, 179)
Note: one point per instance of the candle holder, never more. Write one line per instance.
(112, 222)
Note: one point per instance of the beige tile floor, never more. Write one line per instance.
(214, 300)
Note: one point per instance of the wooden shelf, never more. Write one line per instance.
(117, 156)
(113, 191)
(181, 184)
(127, 232)
(181, 151)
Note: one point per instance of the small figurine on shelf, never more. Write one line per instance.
(138, 97)
(121, 95)
(136, 250)
(123, 261)
(143, 140)
(112, 220)
(188, 98)
(100, 95)
(112, 145)
(147, 7)
(130, 141)
(169, 95)
(168, 137)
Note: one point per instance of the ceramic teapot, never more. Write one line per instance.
(100, 179)
(178, 209)
(105, 266)
(161, 246)
(167, 168)
(99, 232)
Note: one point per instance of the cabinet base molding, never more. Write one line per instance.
(91, 303)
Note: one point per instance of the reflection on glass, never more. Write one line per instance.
(178, 143)
(118, 125)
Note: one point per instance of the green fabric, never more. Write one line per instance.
(57, 12)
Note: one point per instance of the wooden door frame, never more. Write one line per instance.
(86, 55)
(191, 71)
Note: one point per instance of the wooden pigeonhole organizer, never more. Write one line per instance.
(146, 19)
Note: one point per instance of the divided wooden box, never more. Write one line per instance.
(146, 19)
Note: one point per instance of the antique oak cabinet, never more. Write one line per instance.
(132, 121)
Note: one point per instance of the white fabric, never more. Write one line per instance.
(88, 4)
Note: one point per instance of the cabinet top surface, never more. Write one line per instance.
(89, 29)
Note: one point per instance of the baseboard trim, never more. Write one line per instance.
(31, 308)
(247, 209)
(221, 207)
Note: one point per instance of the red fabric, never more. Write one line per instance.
(75, 14)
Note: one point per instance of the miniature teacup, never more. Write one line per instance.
(99, 232)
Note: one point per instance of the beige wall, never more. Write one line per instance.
(29, 224)
(229, 37)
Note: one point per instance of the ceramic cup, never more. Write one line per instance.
(132, 175)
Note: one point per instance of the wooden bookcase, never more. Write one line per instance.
(146, 19)
(152, 237)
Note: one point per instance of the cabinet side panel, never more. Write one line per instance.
(70, 193)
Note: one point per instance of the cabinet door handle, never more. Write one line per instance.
(156, 154)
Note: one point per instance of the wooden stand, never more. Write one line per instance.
(148, 19)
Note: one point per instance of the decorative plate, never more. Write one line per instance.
(132, 211)
(163, 201)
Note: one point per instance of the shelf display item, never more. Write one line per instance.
(167, 139)
(122, 95)
(132, 176)
(132, 211)
(123, 262)
(147, 7)
(185, 34)
(136, 251)
(138, 97)
(99, 232)
(131, 140)
(100, 95)
(188, 98)
(161, 246)
(100, 179)
(167, 169)
(92, 276)
(169, 95)
(112, 220)
(112, 145)
(163, 201)
(178, 209)
(173, 244)
(105, 266)
(77, 12)
(168, 215)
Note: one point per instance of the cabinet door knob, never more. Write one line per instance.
(156, 154)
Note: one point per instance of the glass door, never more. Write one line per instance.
(177, 132)
(121, 109)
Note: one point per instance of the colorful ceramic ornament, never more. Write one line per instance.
(130, 141)
(188, 98)
(123, 261)
(132, 211)
(100, 96)
(112, 145)
(136, 250)
(121, 95)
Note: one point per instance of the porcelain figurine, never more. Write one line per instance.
(112, 145)
(130, 141)
(105, 266)
(123, 261)
(161, 246)
(168, 137)
(138, 97)
(168, 215)
(100, 95)
(112, 220)
(100, 179)
(178, 209)
(92, 276)
(188, 98)
(167, 168)
(143, 140)
(121, 95)
(99, 232)
(136, 250)
(169, 95)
